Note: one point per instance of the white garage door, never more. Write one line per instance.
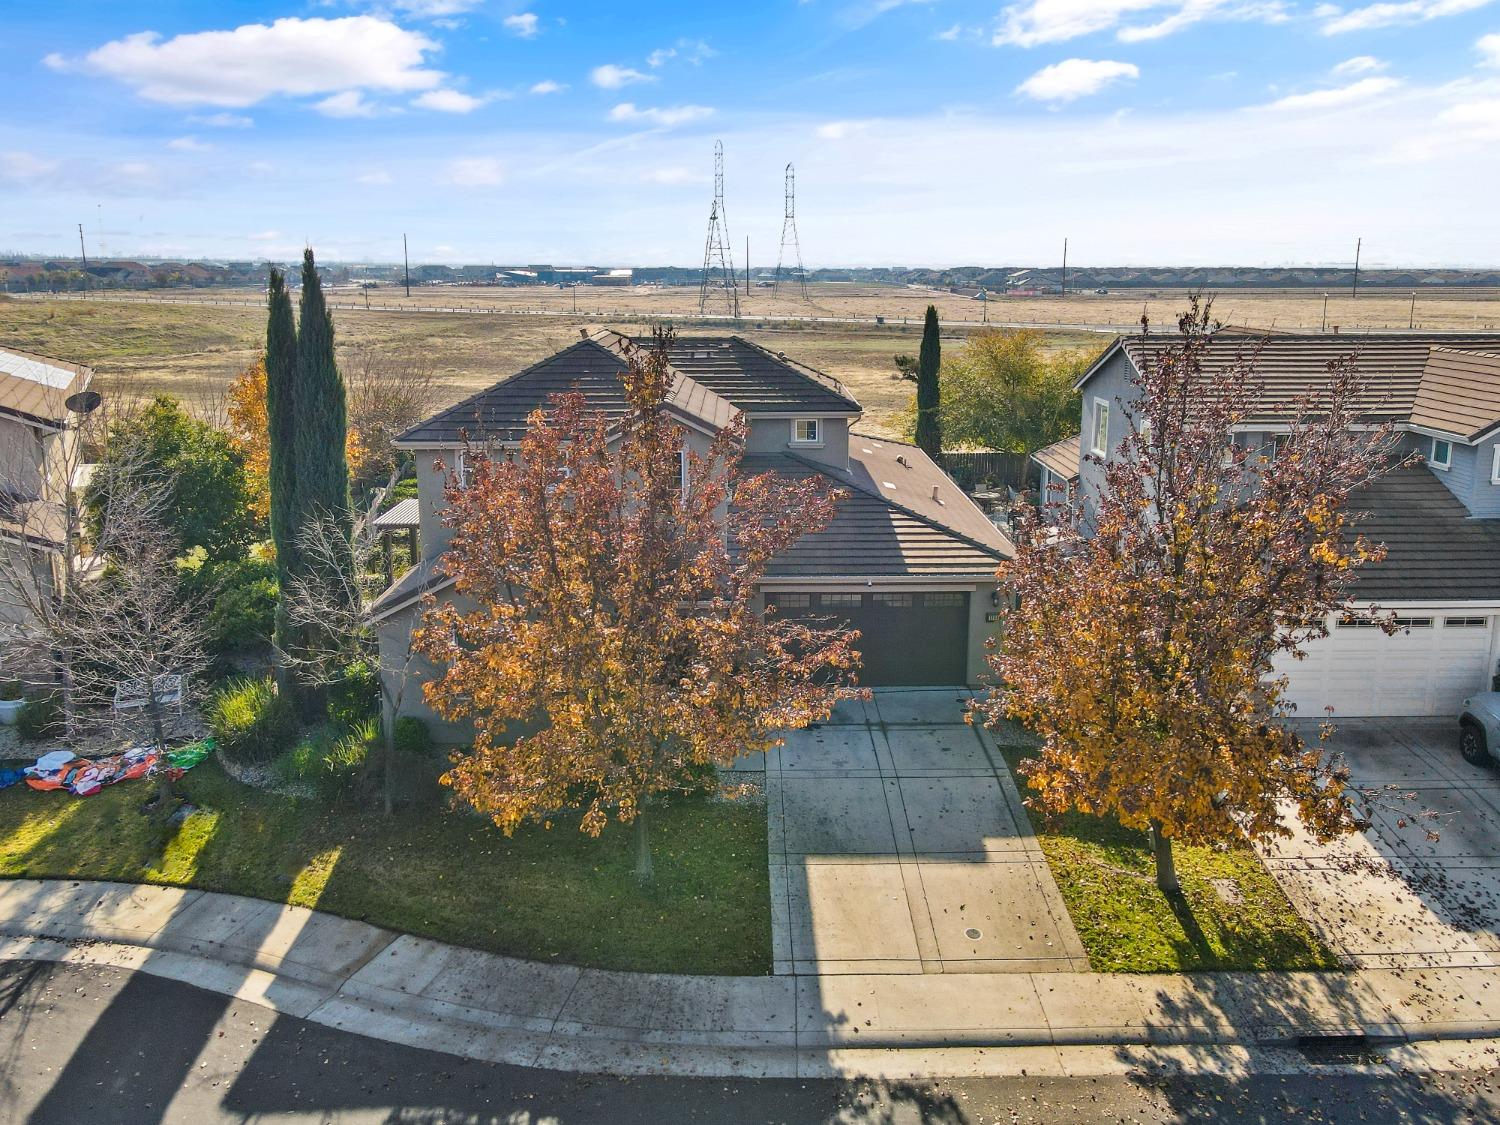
(1427, 668)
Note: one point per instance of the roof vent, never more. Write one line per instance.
(583, 333)
(901, 460)
(935, 492)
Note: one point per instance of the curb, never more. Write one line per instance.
(362, 979)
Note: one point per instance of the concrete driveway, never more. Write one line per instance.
(899, 845)
(1390, 897)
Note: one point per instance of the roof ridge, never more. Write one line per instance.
(828, 471)
(805, 370)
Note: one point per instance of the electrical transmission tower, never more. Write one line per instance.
(789, 234)
(720, 286)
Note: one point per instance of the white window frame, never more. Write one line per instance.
(817, 429)
(461, 468)
(1495, 465)
(1099, 443)
(1432, 459)
(682, 473)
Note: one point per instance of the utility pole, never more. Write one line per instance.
(1411, 321)
(1354, 293)
(1325, 313)
(720, 281)
(82, 249)
(789, 237)
(747, 265)
(1065, 268)
(406, 262)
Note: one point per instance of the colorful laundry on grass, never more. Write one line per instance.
(83, 777)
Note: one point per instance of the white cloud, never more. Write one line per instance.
(476, 171)
(290, 57)
(691, 51)
(375, 178)
(1336, 21)
(223, 120)
(188, 144)
(612, 77)
(665, 116)
(351, 103)
(523, 25)
(949, 34)
(448, 101)
(1075, 78)
(1034, 22)
(264, 236)
(1359, 64)
(1489, 47)
(548, 86)
(674, 176)
(839, 130)
(432, 9)
(1336, 97)
(867, 11)
(24, 167)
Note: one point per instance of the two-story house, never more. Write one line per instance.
(40, 403)
(909, 560)
(1439, 520)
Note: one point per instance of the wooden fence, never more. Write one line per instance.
(972, 471)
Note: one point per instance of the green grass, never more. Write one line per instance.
(547, 895)
(1107, 879)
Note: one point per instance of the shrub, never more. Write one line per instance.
(12, 689)
(241, 597)
(338, 767)
(354, 698)
(251, 721)
(411, 736)
(40, 717)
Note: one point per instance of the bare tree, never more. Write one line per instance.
(389, 390)
(334, 597)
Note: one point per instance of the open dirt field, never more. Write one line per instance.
(192, 350)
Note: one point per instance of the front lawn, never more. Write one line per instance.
(549, 895)
(1232, 914)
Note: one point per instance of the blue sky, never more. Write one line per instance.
(936, 132)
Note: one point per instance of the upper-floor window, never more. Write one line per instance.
(806, 431)
(1441, 456)
(1495, 466)
(1099, 441)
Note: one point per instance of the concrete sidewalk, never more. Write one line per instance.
(359, 978)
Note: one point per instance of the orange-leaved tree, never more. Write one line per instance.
(1141, 647)
(614, 654)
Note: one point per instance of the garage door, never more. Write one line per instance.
(1425, 669)
(905, 638)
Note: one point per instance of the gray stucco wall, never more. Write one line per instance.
(774, 435)
(1111, 383)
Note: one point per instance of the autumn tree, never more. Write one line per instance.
(1142, 653)
(249, 428)
(615, 653)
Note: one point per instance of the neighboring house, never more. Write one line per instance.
(38, 452)
(909, 559)
(1439, 521)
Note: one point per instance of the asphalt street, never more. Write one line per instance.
(105, 1046)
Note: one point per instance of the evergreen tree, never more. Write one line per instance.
(321, 431)
(929, 431)
(281, 413)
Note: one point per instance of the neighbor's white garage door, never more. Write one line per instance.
(1427, 668)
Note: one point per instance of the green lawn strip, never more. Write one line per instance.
(1107, 880)
(548, 895)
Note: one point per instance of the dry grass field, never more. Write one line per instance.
(190, 344)
(192, 350)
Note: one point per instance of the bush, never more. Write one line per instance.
(411, 736)
(337, 766)
(12, 689)
(354, 698)
(241, 605)
(40, 717)
(251, 721)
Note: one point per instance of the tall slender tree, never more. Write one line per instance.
(281, 413)
(320, 434)
(929, 430)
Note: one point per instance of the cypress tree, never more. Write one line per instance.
(929, 360)
(281, 376)
(320, 464)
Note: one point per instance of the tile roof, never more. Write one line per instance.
(1434, 550)
(755, 379)
(1295, 363)
(592, 366)
(35, 388)
(423, 578)
(1061, 457)
(1459, 393)
(884, 531)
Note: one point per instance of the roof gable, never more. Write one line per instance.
(1459, 393)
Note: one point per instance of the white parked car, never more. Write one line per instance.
(1479, 728)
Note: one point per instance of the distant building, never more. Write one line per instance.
(613, 277)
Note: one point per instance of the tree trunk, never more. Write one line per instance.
(163, 782)
(644, 872)
(389, 741)
(1166, 864)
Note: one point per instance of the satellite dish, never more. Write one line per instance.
(84, 402)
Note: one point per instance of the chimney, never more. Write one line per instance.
(935, 493)
(583, 333)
